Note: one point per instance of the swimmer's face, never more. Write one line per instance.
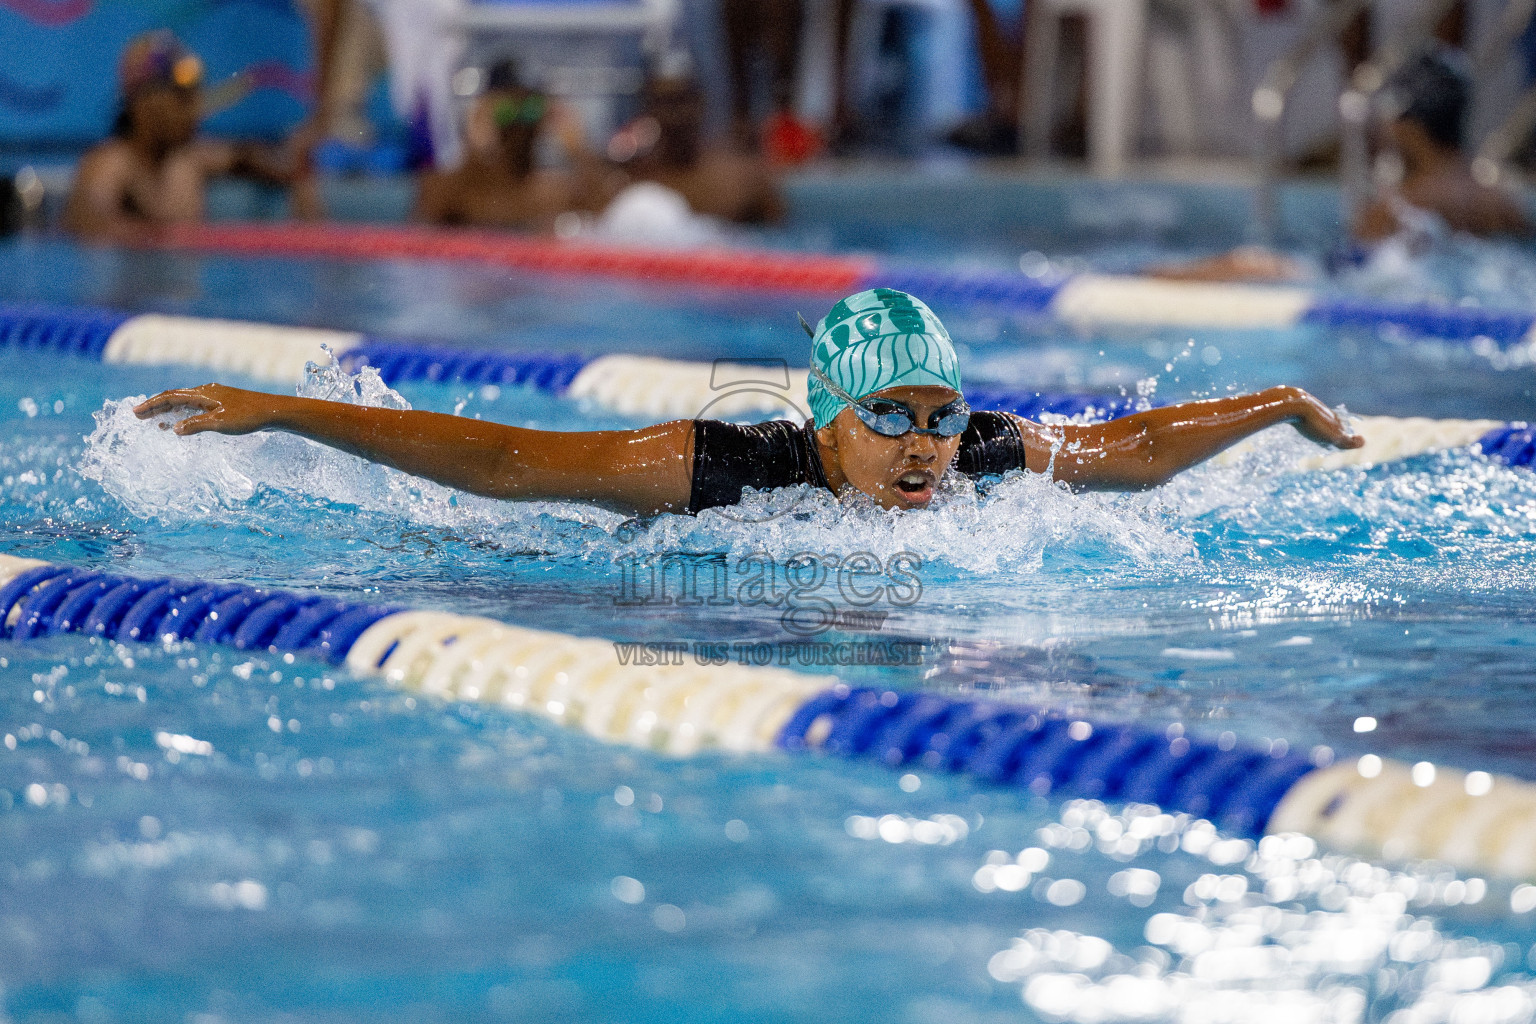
(898, 472)
(507, 122)
(165, 115)
(1408, 136)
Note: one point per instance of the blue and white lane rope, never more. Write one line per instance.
(631, 385)
(626, 384)
(1086, 298)
(1476, 821)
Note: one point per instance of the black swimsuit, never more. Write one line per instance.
(728, 457)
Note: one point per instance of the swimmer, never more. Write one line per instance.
(154, 170)
(889, 420)
(666, 145)
(1429, 95)
(499, 184)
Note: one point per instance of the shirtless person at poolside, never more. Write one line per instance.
(666, 145)
(888, 420)
(154, 170)
(499, 184)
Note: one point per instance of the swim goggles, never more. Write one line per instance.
(893, 419)
(528, 110)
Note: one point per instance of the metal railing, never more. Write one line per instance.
(1357, 102)
(1270, 99)
(1506, 137)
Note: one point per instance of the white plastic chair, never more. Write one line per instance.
(1116, 44)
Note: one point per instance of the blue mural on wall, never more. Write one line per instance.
(58, 85)
(50, 13)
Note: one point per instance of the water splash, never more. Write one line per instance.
(1449, 267)
(1013, 525)
(158, 475)
(1016, 524)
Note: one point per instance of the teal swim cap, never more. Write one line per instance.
(875, 340)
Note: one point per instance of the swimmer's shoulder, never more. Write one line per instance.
(438, 196)
(727, 457)
(995, 443)
(769, 438)
(101, 186)
(112, 158)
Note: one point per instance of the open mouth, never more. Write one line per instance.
(916, 486)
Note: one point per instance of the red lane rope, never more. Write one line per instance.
(756, 270)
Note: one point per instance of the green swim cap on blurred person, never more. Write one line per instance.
(878, 339)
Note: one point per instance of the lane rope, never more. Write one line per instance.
(1085, 299)
(632, 385)
(640, 386)
(1473, 820)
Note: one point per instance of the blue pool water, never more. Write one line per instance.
(345, 852)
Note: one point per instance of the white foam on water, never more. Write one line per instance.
(157, 474)
(1435, 264)
(1014, 525)
(1249, 510)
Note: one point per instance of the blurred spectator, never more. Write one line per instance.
(349, 57)
(995, 131)
(154, 169)
(665, 145)
(499, 184)
(1429, 97)
(765, 34)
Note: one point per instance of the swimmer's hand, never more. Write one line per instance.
(1147, 449)
(1316, 422)
(223, 409)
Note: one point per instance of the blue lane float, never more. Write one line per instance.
(83, 332)
(1237, 787)
(400, 362)
(1083, 298)
(1018, 292)
(1513, 444)
(46, 599)
(1447, 323)
(636, 385)
(640, 386)
(1474, 819)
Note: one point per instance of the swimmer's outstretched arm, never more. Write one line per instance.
(632, 471)
(1148, 448)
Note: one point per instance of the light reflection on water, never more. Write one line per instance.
(1273, 931)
